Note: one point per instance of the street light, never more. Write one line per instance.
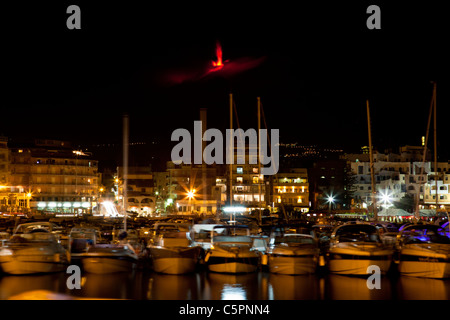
(330, 200)
(386, 198)
(190, 195)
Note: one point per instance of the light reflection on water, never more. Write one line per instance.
(215, 286)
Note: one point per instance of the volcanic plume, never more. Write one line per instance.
(218, 67)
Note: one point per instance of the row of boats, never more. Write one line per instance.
(420, 250)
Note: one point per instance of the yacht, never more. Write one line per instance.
(172, 251)
(103, 258)
(80, 239)
(33, 248)
(356, 246)
(232, 250)
(424, 251)
(293, 253)
(201, 234)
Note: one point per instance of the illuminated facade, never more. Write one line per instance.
(398, 175)
(291, 188)
(140, 196)
(192, 189)
(4, 162)
(58, 178)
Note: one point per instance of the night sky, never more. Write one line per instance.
(317, 65)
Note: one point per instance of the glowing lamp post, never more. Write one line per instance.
(386, 199)
(330, 200)
(190, 196)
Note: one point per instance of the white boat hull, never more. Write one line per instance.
(292, 265)
(357, 267)
(436, 270)
(355, 259)
(175, 260)
(174, 265)
(32, 261)
(103, 265)
(293, 259)
(224, 261)
(425, 261)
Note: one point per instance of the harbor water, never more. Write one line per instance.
(203, 285)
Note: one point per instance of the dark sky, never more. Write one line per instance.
(320, 65)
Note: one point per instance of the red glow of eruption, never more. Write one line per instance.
(219, 67)
(219, 62)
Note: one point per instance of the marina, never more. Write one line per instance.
(225, 159)
(280, 262)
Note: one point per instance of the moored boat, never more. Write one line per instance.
(293, 253)
(109, 258)
(33, 249)
(80, 239)
(424, 251)
(356, 246)
(232, 250)
(172, 251)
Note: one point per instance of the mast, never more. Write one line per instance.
(125, 169)
(259, 158)
(372, 173)
(425, 144)
(231, 151)
(436, 176)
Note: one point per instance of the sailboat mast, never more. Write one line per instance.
(435, 148)
(231, 151)
(372, 173)
(425, 149)
(259, 159)
(125, 169)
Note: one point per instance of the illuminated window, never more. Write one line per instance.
(255, 170)
(255, 179)
(240, 179)
(299, 200)
(239, 170)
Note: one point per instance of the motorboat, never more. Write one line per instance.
(33, 248)
(201, 234)
(80, 239)
(293, 253)
(4, 237)
(109, 258)
(354, 247)
(322, 232)
(172, 250)
(232, 250)
(104, 258)
(424, 251)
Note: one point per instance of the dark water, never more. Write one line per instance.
(146, 285)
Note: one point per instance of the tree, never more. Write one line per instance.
(350, 180)
(407, 203)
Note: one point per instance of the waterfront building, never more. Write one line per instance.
(328, 180)
(56, 177)
(192, 189)
(291, 188)
(4, 161)
(398, 176)
(140, 197)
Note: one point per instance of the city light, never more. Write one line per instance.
(191, 194)
(386, 198)
(234, 209)
(330, 201)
